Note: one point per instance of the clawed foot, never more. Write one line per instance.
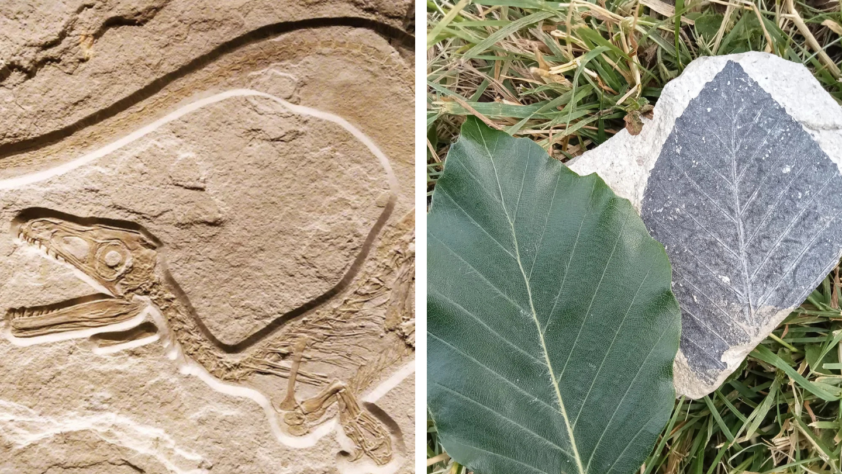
(363, 429)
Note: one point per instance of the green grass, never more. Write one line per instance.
(571, 75)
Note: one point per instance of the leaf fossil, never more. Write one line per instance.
(747, 205)
(552, 328)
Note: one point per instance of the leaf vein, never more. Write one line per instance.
(593, 298)
(497, 374)
(610, 346)
(479, 226)
(569, 260)
(789, 227)
(699, 188)
(529, 466)
(623, 398)
(544, 231)
(500, 415)
(506, 297)
(475, 317)
(535, 317)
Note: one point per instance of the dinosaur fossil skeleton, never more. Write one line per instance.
(125, 263)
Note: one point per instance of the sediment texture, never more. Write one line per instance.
(206, 237)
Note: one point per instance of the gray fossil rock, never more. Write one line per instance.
(737, 175)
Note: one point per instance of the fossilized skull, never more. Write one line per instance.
(121, 261)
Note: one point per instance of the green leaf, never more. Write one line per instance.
(552, 328)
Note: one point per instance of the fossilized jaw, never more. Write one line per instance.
(106, 254)
(114, 259)
(92, 312)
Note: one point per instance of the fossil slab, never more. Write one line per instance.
(738, 176)
(208, 266)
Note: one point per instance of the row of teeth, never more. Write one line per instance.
(40, 246)
(23, 313)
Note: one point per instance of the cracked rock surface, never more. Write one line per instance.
(242, 173)
(61, 61)
(737, 175)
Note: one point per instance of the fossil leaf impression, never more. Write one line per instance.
(746, 203)
(551, 325)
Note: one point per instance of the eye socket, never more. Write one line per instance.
(113, 258)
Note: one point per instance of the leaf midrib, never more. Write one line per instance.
(532, 307)
(745, 241)
(738, 215)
